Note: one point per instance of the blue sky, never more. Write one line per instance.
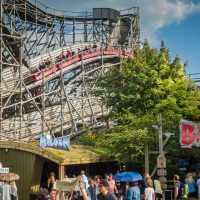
(177, 22)
(183, 39)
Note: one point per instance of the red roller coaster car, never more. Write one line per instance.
(74, 59)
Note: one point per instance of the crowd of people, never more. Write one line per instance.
(98, 188)
(189, 188)
(106, 188)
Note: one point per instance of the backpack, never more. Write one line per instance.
(183, 190)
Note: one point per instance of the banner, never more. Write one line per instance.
(67, 185)
(189, 134)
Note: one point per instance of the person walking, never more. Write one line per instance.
(91, 191)
(125, 191)
(177, 188)
(133, 191)
(142, 186)
(51, 183)
(104, 193)
(49, 179)
(13, 192)
(84, 179)
(96, 182)
(85, 184)
(158, 190)
(1, 190)
(148, 180)
(106, 177)
(198, 184)
(112, 185)
(6, 191)
(191, 186)
(149, 192)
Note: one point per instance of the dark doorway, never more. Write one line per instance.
(92, 169)
(48, 167)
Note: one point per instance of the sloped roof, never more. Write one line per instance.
(77, 154)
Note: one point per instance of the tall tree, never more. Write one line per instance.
(148, 84)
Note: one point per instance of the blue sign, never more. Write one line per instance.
(58, 143)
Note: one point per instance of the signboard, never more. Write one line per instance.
(4, 170)
(182, 163)
(58, 143)
(163, 179)
(161, 172)
(164, 186)
(161, 161)
(189, 134)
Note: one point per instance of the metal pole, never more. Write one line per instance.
(47, 32)
(82, 85)
(102, 41)
(85, 31)
(146, 157)
(74, 28)
(21, 80)
(102, 46)
(146, 153)
(61, 99)
(36, 28)
(43, 104)
(160, 138)
(93, 31)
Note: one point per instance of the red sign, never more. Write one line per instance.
(189, 134)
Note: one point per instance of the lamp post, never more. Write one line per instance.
(160, 136)
(162, 144)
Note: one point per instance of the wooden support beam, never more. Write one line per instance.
(61, 172)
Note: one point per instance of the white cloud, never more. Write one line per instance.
(154, 14)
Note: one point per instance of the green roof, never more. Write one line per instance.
(77, 154)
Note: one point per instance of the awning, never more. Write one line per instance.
(77, 154)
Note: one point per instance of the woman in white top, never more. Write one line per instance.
(6, 191)
(149, 193)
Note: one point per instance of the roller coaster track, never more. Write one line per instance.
(43, 90)
(195, 77)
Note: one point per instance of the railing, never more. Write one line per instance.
(168, 194)
(195, 77)
(58, 12)
(130, 11)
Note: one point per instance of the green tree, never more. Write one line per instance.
(144, 86)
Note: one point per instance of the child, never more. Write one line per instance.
(149, 193)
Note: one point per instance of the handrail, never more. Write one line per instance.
(58, 12)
